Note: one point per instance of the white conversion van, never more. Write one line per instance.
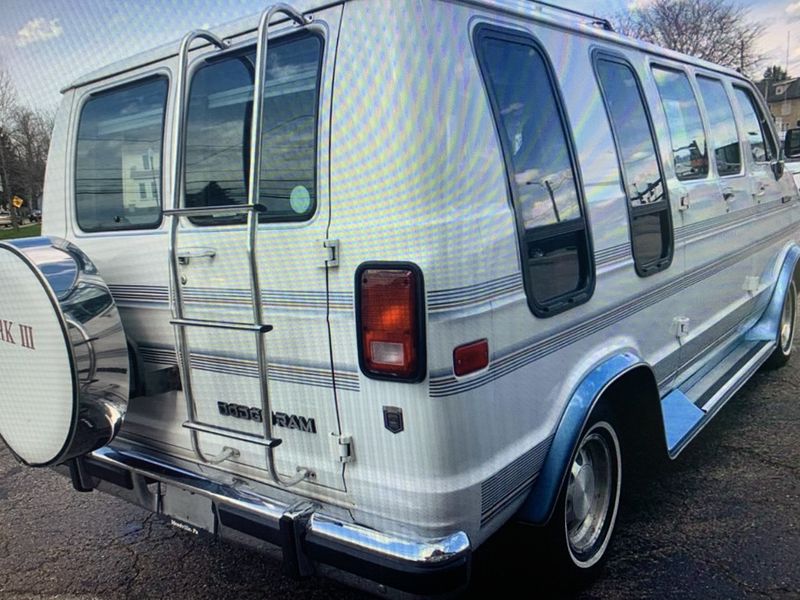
(364, 280)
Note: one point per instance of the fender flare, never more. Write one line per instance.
(539, 505)
(766, 329)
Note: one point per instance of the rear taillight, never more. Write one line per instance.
(390, 321)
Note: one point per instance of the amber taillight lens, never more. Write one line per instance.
(389, 323)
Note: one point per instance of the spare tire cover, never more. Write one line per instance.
(64, 380)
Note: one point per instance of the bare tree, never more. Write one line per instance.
(7, 108)
(31, 137)
(715, 30)
(776, 73)
(24, 142)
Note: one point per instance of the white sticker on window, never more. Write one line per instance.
(300, 200)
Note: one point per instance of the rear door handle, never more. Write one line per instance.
(728, 193)
(186, 255)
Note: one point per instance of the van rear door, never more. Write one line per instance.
(290, 261)
(121, 146)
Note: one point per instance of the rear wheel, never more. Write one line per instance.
(586, 511)
(783, 351)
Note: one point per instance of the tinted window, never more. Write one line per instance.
(637, 151)
(530, 119)
(754, 126)
(542, 173)
(218, 131)
(792, 143)
(652, 241)
(723, 126)
(651, 228)
(114, 188)
(685, 125)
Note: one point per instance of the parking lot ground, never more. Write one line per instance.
(723, 521)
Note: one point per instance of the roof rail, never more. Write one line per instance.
(604, 23)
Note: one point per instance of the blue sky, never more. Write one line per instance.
(45, 44)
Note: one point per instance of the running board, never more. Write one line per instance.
(687, 411)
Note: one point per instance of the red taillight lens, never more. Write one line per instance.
(389, 323)
(471, 357)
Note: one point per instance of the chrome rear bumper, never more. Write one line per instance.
(305, 534)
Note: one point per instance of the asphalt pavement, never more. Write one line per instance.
(723, 521)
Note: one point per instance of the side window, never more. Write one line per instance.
(115, 188)
(727, 151)
(755, 126)
(685, 125)
(542, 171)
(218, 132)
(648, 206)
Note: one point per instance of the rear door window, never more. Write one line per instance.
(218, 132)
(727, 152)
(118, 157)
(689, 151)
(648, 206)
(762, 146)
(542, 171)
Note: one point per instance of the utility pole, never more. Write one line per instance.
(788, 37)
(741, 56)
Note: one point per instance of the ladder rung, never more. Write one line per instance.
(233, 435)
(253, 327)
(201, 211)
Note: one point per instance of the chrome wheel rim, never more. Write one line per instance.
(787, 320)
(592, 495)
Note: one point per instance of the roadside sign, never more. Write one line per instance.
(17, 202)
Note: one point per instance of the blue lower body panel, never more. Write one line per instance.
(681, 416)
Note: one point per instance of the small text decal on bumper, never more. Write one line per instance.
(183, 527)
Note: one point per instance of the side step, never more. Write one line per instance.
(232, 434)
(229, 325)
(687, 411)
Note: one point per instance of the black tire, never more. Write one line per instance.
(578, 542)
(786, 328)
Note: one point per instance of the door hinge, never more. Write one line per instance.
(680, 327)
(346, 449)
(330, 256)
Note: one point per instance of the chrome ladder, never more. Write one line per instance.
(253, 207)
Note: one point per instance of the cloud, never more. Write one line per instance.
(38, 30)
(793, 9)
